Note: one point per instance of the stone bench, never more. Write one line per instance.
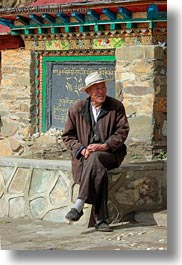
(43, 189)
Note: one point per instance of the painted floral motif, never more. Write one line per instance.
(106, 43)
(57, 45)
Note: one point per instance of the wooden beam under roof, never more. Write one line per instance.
(125, 13)
(109, 13)
(98, 25)
(78, 16)
(23, 20)
(48, 18)
(6, 22)
(36, 19)
(93, 14)
(63, 17)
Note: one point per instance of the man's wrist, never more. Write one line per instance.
(105, 146)
(78, 152)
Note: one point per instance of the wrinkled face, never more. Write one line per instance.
(97, 93)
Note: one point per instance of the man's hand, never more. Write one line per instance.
(86, 152)
(97, 147)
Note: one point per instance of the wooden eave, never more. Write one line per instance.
(81, 16)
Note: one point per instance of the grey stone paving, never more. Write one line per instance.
(25, 234)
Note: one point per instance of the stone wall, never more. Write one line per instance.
(17, 100)
(141, 83)
(43, 189)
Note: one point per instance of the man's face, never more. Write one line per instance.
(97, 93)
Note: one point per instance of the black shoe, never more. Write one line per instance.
(73, 215)
(103, 227)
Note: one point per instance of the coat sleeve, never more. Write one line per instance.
(69, 135)
(120, 130)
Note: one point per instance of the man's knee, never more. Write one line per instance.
(95, 156)
(105, 159)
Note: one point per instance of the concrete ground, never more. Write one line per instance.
(26, 234)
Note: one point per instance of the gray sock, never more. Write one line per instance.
(79, 204)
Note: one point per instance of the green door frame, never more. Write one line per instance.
(46, 59)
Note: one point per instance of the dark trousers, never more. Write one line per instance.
(94, 180)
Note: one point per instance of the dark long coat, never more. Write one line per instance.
(112, 126)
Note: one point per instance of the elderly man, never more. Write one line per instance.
(95, 132)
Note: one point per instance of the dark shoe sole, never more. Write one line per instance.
(73, 215)
(103, 227)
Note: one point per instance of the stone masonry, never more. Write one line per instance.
(16, 101)
(140, 83)
(43, 189)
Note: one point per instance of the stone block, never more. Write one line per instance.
(17, 207)
(3, 207)
(4, 110)
(138, 90)
(9, 127)
(142, 67)
(127, 197)
(164, 128)
(145, 218)
(138, 150)
(41, 181)
(19, 181)
(141, 127)
(6, 172)
(46, 139)
(154, 52)
(56, 215)
(5, 149)
(2, 184)
(38, 207)
(122, 67)
(59, 194)
(120, 77)
(6, 83)
(152, 218)
(14, 144)
(24, 107)
(130, 53)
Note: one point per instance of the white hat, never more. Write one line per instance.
(93, 78)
